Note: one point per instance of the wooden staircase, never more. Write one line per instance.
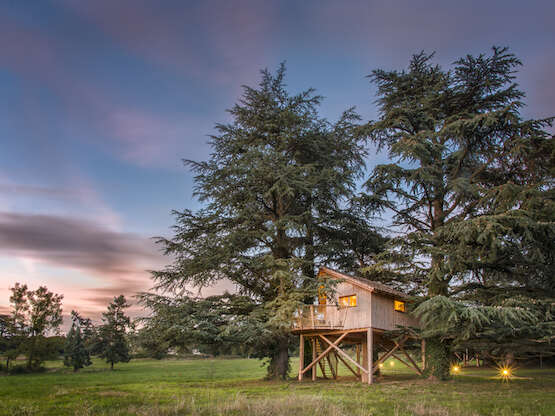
(329, 370)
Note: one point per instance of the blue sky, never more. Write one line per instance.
(101, 100)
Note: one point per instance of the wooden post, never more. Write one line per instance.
(364, 350)
(314, 369)
(369, 346)
(358, 358)
(423, 349)
(301, 357)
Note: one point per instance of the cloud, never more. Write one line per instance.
(80, 249)
(41, 191)
(76, 244)
(92, 262)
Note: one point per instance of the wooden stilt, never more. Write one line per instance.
(369, 346)
(301, 357)
(423, 348)
(358, 358)
(313, 358)
(364, 350)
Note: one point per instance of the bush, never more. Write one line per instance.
(23, 369)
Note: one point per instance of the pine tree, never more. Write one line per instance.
(111, 339)
(76, 354)
(464, 165)
(275, 172)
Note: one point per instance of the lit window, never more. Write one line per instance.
(348, 300)
(399, 306)
(321, 295)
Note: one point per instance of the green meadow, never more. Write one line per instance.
(237, 387)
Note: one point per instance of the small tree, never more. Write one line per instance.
(7, 339)
(111, 340)
(76, 354)
(35, 314)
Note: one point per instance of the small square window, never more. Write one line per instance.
(350, 300)
(399, 306)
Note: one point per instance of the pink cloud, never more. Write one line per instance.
(84, 260)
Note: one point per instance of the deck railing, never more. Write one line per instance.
(319, 317)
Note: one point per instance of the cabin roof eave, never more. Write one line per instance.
(363, 283)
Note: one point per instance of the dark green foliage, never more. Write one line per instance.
(76, 353)
(9, 342)
(470, 186)
(35, 314)
(437, 358)
(276, 174)
(213, 325)
(225, 324)
(111, 341)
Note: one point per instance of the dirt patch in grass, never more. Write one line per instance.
(112, 393)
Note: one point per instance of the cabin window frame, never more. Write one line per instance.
(349, 297)
(322, 297)
(399, 306)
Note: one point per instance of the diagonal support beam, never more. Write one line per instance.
(328, 358)
(402, 361)
(347, 365)
(388, 354)
(343, 353)
(324, 353)
(418, 370)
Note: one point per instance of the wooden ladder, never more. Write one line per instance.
(324, 363)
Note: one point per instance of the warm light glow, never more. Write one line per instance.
(456, 369)
(322, 300)
(505, 372)
(348, 300)
(399, 306)
(392, 363)
(380, 365)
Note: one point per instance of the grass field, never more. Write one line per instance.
(236, 387)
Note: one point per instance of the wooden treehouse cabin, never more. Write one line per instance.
(359, 317)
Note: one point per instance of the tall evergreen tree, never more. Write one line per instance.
(111, 339)
(464, 167)
(275, 172)
(76, 353)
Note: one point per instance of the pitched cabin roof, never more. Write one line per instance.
(363, 283)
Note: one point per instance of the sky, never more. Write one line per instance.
(101, 100)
